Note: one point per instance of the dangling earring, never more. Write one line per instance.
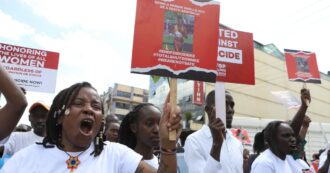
(101, 135)
(67, 112)
(55, 114)
(97, 141)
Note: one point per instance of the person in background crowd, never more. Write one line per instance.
(300, 124)
(111, 128)
(16, 103)
(22, 128)
(316, 160)
(296, 158)
(19, 140)
(324, 162)
(296, 124)
(281, 140)
(298, 119)
(139, 131)
(213, 148)
(74, 140)
(258, 148)
(246, 156)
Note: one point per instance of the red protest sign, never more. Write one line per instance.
(176, 38)
(302, 66)
(32, 69)
(235, 57)
(198, 93)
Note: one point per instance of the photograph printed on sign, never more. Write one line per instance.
(302, 64)
(178, 31)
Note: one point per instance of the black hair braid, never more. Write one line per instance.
(54, 129)
(259, 144)
(126, 136)
(270, 132)
(61, 102)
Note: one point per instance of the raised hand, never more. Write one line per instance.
(305, 97)
(217, 128)
(306, 121)
(169, 121)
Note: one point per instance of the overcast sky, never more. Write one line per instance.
(95, 38)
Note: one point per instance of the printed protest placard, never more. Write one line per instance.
(198, 93)
(302, 66)
(235, 57)
(32, 69)
(176, 38)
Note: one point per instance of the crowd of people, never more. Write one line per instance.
(74, 139)
(74, 135)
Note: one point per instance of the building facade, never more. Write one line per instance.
(120, 99)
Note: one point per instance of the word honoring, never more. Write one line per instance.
(23, 50)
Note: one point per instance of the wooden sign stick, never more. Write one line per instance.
(306, 100)
(173, 95)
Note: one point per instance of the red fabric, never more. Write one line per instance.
(315, 165)
(242, 135)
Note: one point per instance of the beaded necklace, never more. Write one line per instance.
(73, 161)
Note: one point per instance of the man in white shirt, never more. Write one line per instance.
(19, 140)
(213, 149)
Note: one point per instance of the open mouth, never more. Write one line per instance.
(86, 126)
(293, 147)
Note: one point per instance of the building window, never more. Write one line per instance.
(124, 94)
(120, 116)
(122, 105)
(137, 95)
(145, 99)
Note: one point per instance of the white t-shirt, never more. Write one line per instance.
(297, 166)
(20, 140)
(115, 158)
(197, 153)
(3, 141)
(270, 163)
(153, 162)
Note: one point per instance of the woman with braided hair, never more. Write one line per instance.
(75, 140)
(281, 140)
(139, 131)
